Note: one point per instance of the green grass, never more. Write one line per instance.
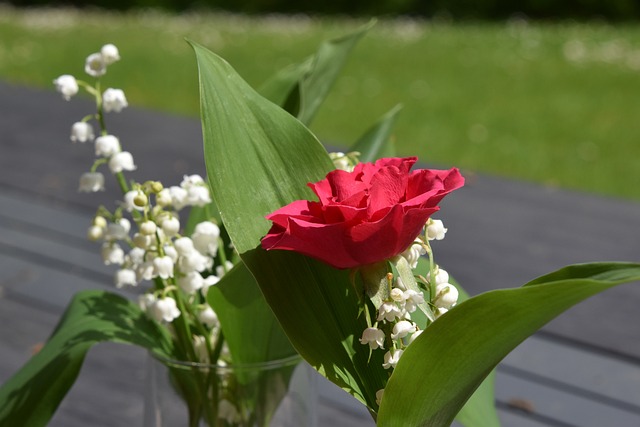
(555, 104)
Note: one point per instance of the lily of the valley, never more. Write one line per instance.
(81, 132)
(114, 100)
(66, 85)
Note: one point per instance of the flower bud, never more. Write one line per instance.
(148, 228)
(171, 226)
(155, 186)
(100, 221)
(140, 200)
(95, 233)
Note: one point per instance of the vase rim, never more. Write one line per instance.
(270, 364)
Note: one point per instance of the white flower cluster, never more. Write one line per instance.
(158, 250)
(107, 147)
(393, 328)
(143, 236)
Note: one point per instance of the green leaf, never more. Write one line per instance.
(268, 158)
(301, 88)
(375, 143)
(449, 360)
(249, 326)
(33, 394)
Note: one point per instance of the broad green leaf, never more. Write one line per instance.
(480, 409)
(33, 394)
(249, 326)
(376, 142)
(444, 365)
(259, 158)
(301, 88)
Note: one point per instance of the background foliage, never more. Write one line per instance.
(464, 9)
(551, 103)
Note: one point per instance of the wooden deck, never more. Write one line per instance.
(582, 370)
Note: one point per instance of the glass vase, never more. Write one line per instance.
(278, 393)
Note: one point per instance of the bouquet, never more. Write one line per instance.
(334, 251)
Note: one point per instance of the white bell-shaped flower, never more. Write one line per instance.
(205, 238)
(67, 85)
(208, 317)
(115, 231)
(95, 65)
(412, 299)
(163, 198)
(198, 195)
(435, 229)
(391, 358)
(163, 266)
(194, 261)
(110, 54)
(441, 276)
(191, 282)
(171, 226)
(178, 197)
(148, 228)
(128, 201)
(184, 246)
(107, 146)
(397, 295)
(446, 295)
(90, 182)
(379, 395)
(389, 311)
(228, 412)
(189, 181)
(122, 161)
(112, 253)
(374, 337)
(82, 132)
(145, 271)
(125, 277)
(135, 256)
(114, 100)
(402, 329)
(164, 309)
(413, 254)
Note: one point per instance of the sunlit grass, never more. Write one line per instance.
(556, 104)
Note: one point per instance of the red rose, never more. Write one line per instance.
(364, 216)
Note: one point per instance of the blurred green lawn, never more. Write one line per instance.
(555, 104)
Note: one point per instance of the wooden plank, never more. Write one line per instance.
(565, 407)
(598, 376)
